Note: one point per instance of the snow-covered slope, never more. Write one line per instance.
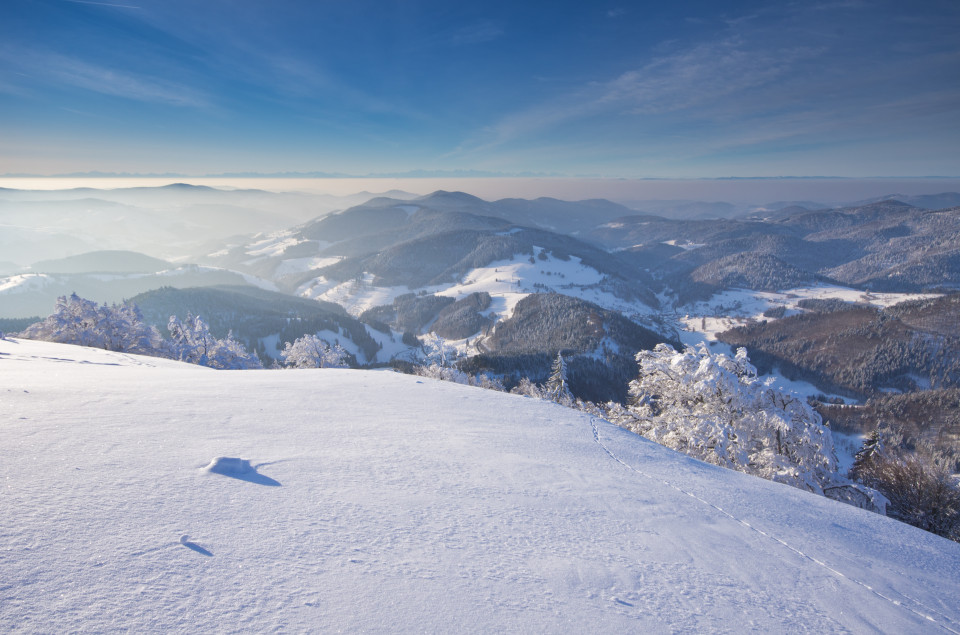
(383, 502)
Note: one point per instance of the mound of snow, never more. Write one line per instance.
(229, 465)
(406, 505)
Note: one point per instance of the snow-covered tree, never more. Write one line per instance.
(230, 354)
(437, 351)
(440, 357)
(82, 322)
(557, 388)
(310, 351)
(192, 342)
(715, 408)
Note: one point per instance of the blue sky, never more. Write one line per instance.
(633, 89)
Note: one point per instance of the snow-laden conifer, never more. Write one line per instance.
(871, 450)
(557, 388)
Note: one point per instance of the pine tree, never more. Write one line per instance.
(557, 388)
(872, 449)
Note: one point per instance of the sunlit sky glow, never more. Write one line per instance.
(694, 89)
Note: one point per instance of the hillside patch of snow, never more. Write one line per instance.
(273, 245)
(683, 244)
(25, 282)
(354, 296)
(735, 307)
(403, 504)
(509, 281)
(299, 265)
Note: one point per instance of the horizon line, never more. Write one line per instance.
(462, 174)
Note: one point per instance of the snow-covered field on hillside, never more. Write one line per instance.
(376, 501)
(735, 307)
(507, 282)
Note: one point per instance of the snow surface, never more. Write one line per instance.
(383, 502)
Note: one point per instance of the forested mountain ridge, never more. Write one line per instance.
(862, 350)
(884, 246)
(427, 241)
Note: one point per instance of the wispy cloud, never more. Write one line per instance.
(761, 80)
(104, 4)
(698, 78)
(471, 34)
(477, 33)
(58, 70)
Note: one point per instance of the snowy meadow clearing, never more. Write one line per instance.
(145, 494)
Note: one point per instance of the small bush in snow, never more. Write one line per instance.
(457, 376)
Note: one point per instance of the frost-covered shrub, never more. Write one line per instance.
(82, 322)
(527, 388)
(715, 408)
(448, 373)
(310, 351)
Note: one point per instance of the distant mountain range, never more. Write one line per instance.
(487, 275)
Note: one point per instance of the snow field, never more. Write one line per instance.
(24, 282)
(735, 307)
(356, 297)
(400, 504)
